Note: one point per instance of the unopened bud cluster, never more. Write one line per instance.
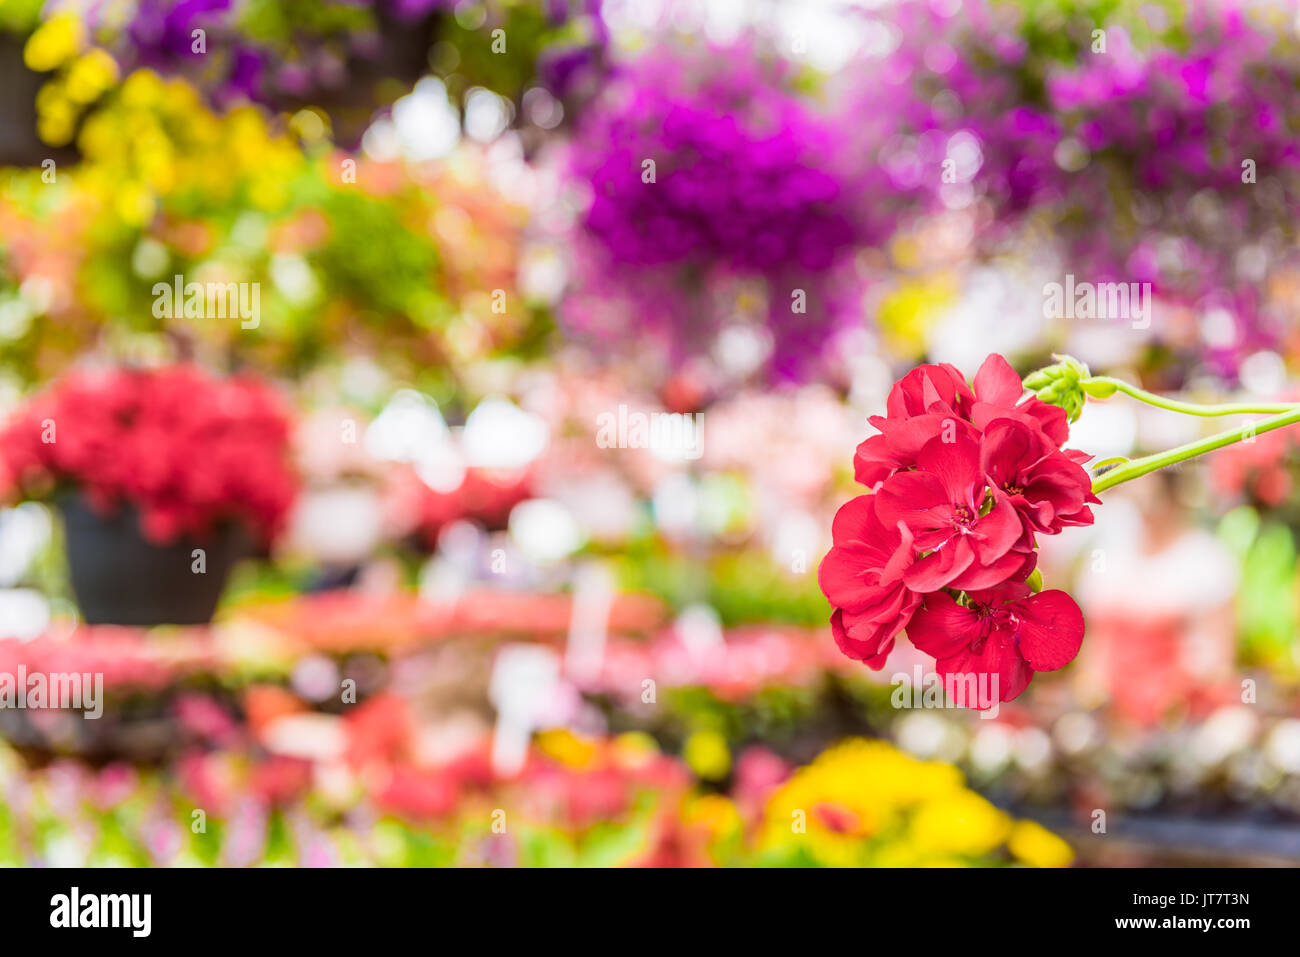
(1067, 383)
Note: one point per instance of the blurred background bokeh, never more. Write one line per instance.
(478, 601)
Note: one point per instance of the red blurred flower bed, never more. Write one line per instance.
(185, 448)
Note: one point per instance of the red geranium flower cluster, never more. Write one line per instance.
(962, 482)
(186, 449)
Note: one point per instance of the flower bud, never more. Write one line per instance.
(1062, 384)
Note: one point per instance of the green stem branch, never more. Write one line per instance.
(1068, 384)
(1149, 463)
(1190, 408)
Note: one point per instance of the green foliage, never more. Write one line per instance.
(1268, 601)
(743, 586)
(20, 16)
(268, 20)
(373, 257)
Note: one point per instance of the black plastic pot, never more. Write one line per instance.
(121, 578)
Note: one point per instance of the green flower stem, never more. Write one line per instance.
(1139, 467)
(1190, 408)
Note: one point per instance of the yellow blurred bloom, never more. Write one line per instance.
(566, 747)
(1036, 846)
(867, 803)
(961, 823)
(90, 75)
(717, 814)
(54, 42)
(57, 125)
(142, 88)
(155, 138)
(866, 782)
(905, 854)
(135, 204)
(182, 97)
(51, 96)
(907, 313)
(267, 193)
(706, 754)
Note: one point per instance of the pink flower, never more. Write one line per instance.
(964, 479)
(862, 575)
(1006, 632)
(998, 392)
(1047, 487)
(933, 401)
(964, 533)
(930, 389)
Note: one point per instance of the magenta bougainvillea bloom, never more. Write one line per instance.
(963, 480)
(715, 189)
(1146, 156)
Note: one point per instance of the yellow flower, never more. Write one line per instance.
(54, 42)
(57, 125)
(707, 755)
(566, 747)
(906, 314)
(831, 849)
(135, 205)
(717, 814)
(1036, 846)
(849, 794)
(90, 75)
(903, 853)
(143, 88)
(866, 802)
(961, 823)
(268, 194)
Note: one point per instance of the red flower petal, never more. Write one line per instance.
(1009, 448)
(997, 672)
(917, 499)
(942, 628)
(1051, 629)
(865, 641)
(980, 575)
(997, 383)
(995, 533)
(956, 465)
(875, 460)
(855, 521)
(842, 576)
(937, 569)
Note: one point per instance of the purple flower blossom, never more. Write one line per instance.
(1134, 159)
(705, 172)
(161, 33)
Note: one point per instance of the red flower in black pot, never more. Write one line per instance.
(165, 478)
